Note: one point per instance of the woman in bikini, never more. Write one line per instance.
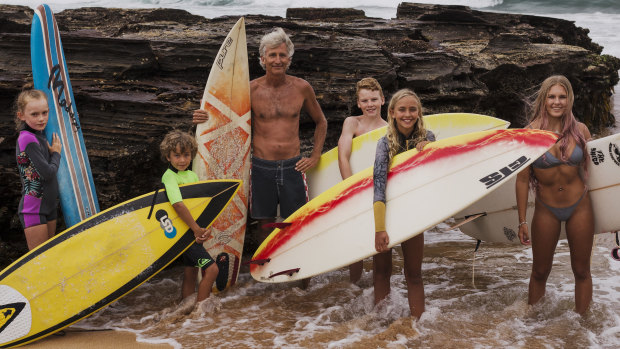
(561, 193)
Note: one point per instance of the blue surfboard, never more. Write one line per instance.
(78, 198)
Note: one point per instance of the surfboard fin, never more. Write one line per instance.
(258, 261)
(468, 219)
(473, 263)
(615, 252)
(279, 225)
(222, 261)
(288, 272)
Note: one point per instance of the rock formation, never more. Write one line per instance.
(138, 73)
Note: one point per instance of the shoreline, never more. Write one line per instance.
(103, 339)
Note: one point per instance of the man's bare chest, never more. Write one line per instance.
(277, 104)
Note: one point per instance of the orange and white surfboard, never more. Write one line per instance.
(224, 148)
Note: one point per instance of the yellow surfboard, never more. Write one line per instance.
(101, 259)
(326, 173)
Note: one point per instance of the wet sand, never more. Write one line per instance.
(79, 339)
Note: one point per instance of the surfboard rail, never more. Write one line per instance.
(101, 259)
(449, 174)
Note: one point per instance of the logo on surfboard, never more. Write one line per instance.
(614, 152)
(56, 83)
(597, 156)
(220, 58)
(510, 234)
(8, 313)
(498, 176)
(166, 224)
(15, 315)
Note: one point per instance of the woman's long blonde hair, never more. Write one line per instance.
(393, 136)
(569, 125)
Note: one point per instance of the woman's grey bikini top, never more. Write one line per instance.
(547, 160)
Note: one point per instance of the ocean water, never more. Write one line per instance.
(472, 300)
(602, 17)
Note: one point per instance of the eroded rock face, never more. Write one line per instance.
(138, 73)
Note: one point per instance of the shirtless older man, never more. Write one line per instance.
(278, 169)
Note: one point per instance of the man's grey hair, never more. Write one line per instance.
(273, 39)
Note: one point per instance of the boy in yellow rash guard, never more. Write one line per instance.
(178, 149)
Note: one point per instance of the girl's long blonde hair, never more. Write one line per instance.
(393, 136)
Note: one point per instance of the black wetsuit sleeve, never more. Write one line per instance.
(382, 161)
(430, 136)
(46, 169)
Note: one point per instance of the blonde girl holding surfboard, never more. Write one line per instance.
(405, 131)
(561, 194)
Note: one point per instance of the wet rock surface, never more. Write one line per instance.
(138, 73)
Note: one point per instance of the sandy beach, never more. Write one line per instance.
(81, 339)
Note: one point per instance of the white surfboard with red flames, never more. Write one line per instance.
(499, 222)
(424, 188)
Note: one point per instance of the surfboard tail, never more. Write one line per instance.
(217, 204)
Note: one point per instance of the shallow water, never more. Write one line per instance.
(489, 312)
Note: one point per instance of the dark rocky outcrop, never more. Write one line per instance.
(138, 73)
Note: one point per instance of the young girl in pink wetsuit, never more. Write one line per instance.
(38, 163)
